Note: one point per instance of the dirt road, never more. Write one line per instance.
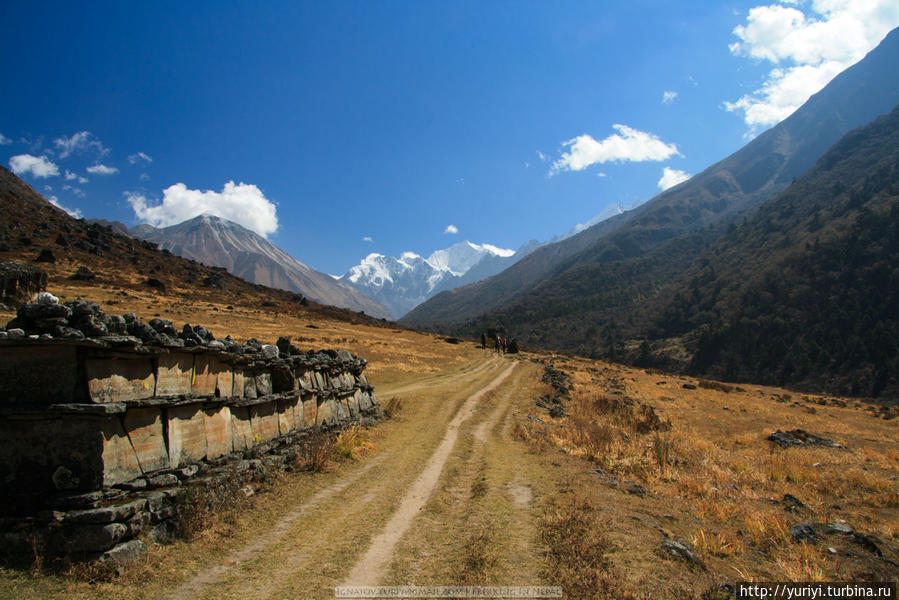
(370, 524)
(371, 567)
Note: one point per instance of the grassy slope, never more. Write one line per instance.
(508, 497)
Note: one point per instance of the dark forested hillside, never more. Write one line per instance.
(549, 283)
(806, 292)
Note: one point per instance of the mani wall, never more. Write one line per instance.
(106, 421)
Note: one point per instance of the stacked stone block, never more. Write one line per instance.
(100, 436)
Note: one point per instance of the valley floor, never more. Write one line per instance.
(469, 482)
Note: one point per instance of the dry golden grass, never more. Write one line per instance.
(577, 551)
(394, 355)
(708, 458)
(714, 480)
(353, 443)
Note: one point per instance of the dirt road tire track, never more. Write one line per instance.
(212, 575)
(373, 564)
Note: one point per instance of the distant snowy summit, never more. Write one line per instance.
(459, 258)
(403, 283)
(219, 242)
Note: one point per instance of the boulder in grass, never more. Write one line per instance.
(800, 437)
(83, 274)
(672, 549)
(46, 255)
(155, 284)
(804, 533)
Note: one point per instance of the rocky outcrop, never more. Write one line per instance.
(106, 421)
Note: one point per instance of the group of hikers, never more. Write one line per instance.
(501, 345)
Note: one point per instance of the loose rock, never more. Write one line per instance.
(83, 274)
(804, 533)
(799, 437)
(679, 551)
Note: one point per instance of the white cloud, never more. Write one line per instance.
(4, 140)
(242, 203)
(39, 166)
(627, 145)
(83, 141)
(48, 188)
(74, 190)
(102, 170)
(542, 156)
(808, 49)
(73, 212)
(140, 156)
(367, 239)
(668, 97)
(601, 174)
(451, 229)
(672, 177)
(144, 177)
(73, 176)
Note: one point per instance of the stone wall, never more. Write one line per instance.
(20, 283)
(100, 436)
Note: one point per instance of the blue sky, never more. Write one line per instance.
(342, 128)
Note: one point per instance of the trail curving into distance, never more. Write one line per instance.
(373, 564)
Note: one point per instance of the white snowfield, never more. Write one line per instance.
(405, 282)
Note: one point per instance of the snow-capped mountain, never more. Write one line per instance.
(403, 283)
(459, 258)
(218, 242)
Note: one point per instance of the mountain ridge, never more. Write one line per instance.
(402, 283)
(215, 241)
(128, 267)
(733, 186)
(805, 292)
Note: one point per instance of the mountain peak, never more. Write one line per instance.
(403, 283)
(216, 241)
(460, 257)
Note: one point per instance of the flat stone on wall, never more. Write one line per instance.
(219, 435)
(119, 460)
(212, 377)
(173, 374)
(144, 428)
(264, 419)
(241, 428)
(187, 435)
(51, 454)
(238, 384)
(120, 379)
(38, 374)
(263, 384)
(286, 417)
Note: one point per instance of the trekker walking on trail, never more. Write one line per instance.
(483, 340)
(496, 342)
